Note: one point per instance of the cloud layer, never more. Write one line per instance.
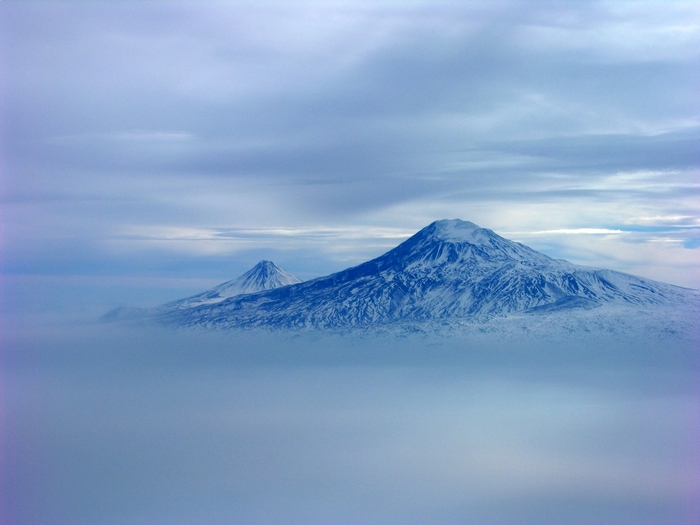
(148, 427)
(144, 137)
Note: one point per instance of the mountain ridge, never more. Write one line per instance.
(449, 270)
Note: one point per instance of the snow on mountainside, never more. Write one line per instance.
(265, 275)
(450, 270)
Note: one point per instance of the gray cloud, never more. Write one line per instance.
(119, 116)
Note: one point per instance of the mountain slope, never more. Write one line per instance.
(451, 269)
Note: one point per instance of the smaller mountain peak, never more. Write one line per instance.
(264, 265)
(456, 230)
(265, 275)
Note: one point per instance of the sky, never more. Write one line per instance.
(151, 150)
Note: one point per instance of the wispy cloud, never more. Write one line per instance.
(569, 231)
(139, 132)
(337, 243)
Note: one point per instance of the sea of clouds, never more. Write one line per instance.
(107, 424)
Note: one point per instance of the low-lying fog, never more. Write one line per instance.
(118, 426)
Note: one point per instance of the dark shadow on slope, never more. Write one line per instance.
(565, 303)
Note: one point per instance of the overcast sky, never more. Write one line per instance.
(179, 143)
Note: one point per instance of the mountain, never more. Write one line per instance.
(450, 270)
(265, 275)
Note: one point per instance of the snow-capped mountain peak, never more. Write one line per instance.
(450, 270)
(456, 241)
(458, 231)
(265, 275)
